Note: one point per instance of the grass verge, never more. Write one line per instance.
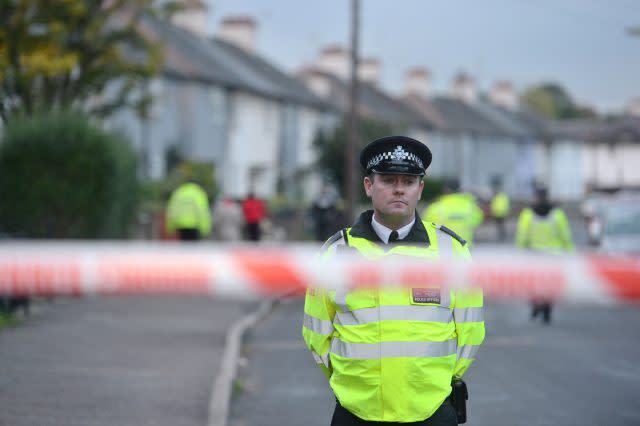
(7, 320)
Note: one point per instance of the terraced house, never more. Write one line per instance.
(218, 101)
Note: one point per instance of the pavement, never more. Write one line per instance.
(278, 381)
(129, 361)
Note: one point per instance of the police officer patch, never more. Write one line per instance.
(426, 295)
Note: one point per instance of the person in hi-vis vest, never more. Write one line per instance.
(456, 210)
(500, 207)
(391, 355)
(188, 212)
(543, 228)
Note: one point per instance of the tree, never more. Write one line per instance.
(59, 54)
(553, 101)
(331, 147)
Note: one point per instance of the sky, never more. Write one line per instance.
(581, 44)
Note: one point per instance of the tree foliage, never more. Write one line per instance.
(331, 150)
(63, 53)
(62, 177)
(331, 146)
(553, 101)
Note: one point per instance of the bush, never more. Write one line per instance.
(62, 177)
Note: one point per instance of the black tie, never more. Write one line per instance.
(393, 237)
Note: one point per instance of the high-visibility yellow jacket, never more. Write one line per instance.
(390, 354)
(549, 233)
(458, 211)
(500, 205)
(188, 208)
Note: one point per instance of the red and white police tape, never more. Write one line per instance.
(78, 268)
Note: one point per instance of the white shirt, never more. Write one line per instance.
(384, 232)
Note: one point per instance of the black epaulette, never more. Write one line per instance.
(335, 237)
(446, 230)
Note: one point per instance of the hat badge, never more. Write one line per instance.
(399, 153)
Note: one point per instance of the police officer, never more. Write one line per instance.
(544, 228)
(391, 354)
(188, 212)
(500, 207)
(456, 210)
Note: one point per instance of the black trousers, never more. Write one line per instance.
(188, 234)
(501, 226)
(444, 416)
(543, 308)
(253, 231)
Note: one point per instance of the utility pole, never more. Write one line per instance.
(353, 134)
(144, 134)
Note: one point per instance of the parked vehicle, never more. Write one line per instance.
(619, 226)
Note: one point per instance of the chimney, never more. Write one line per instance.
(335, 60)
(194, 18)
(369, 70)
(633, 107)
(503, 95)
(315, 80)
(417, 82)
(239, 31)
(464, 88)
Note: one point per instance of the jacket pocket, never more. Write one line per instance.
(356, 299)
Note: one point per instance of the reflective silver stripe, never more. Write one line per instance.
(467, 351)
(445, 245)
(322, 360)
(549, 218)
(395, 313)
(393, 349)
(341, 299)
(317, 325)
(445, 297)
(468, 314)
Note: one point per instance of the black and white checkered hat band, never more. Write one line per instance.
(397, 154)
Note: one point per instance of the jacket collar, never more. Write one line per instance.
(363, 229)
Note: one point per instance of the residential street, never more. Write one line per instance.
(174, 175)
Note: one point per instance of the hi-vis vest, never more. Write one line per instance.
(390, 355)
(458, 211)
(550, 233)
(188, 208)
(500, 205)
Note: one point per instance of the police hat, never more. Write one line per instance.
(395, 155)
